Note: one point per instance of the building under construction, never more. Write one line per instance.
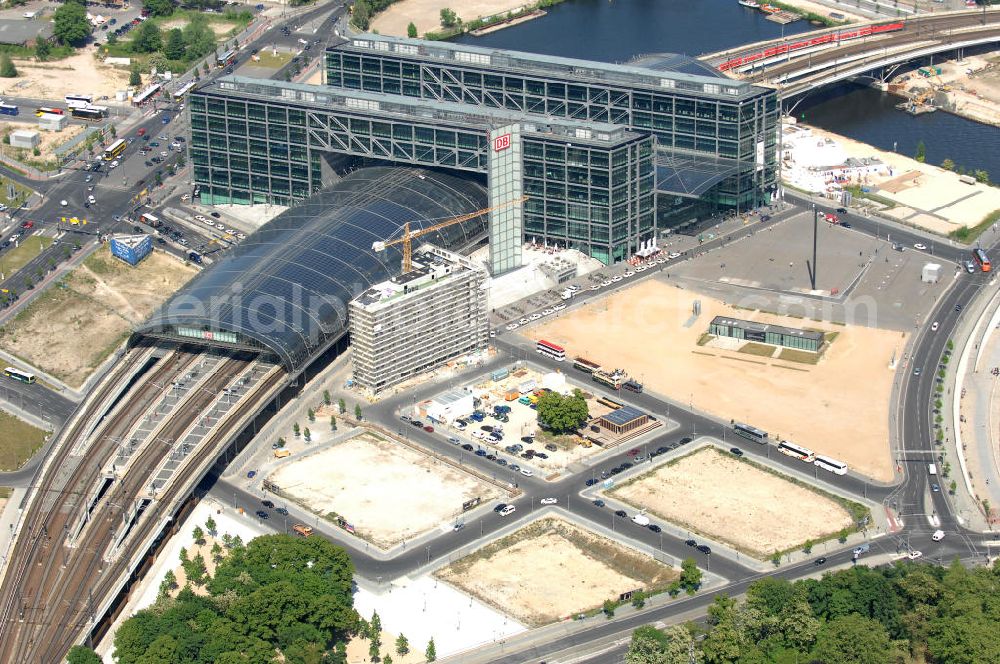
(419, 320)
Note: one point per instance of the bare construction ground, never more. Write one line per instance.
(82, 72)
(389, 492)
(426, 14)
(656, 340)
(731, 501)
(68, 331)
(551, 569)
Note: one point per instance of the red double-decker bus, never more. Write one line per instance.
(557, 353)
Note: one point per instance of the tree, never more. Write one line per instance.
(147, 38)
(134, 77)
(341, 406)
(608, 608)
(333, 423)
(690, 575)
(357, 411)
(175, 47)
(43, 49)
(296, 429)
(307, 434)
(430, 654)
(210, 525)
(216, 552)
(948, 165)
(169, 582)
(198, 534)
(70, 24)
(7, 68)
(560, 413)
(199, 38)
(411, 30)
(651, 646)
(361, 14)
(808, 546)
(82, 655)
(921, 155)
(638, 599)
(448, 18)
(853, 639)
(374, 636)
(402, 645)
(311, 414)
(981, 176)
(159, 7)
(326, 397)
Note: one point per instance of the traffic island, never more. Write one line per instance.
(552, 569)
(745, 505)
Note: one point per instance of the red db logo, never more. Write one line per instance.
(501, 142)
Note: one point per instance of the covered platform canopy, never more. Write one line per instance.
(284, 290)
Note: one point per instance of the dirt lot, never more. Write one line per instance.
(426, 14)
(551, 569)
(48, 140)
(656, 340)
(220, 28)
(54, 80)
(68, 332)
(368, 480)
(719, 496)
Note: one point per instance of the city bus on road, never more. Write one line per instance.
(186, 88)
(115, 149)
(586, 365)
(226, 59)
(79, 101)
(834, 466)
(42, 110)
(750, 433)
(981, 259)
(17, 374)
(796, 451)
(9, 109)
(557, 353)
(89, 113)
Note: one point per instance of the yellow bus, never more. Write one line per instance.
(115, 149)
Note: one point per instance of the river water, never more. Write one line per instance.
(618, 30)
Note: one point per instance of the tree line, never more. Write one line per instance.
(888, 615)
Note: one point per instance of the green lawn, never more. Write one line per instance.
(754, 348)
(5, 492)
(15, 259)
(21, 192)
(273, 61)
(18, 441)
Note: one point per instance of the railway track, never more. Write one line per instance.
(54, 637)
(27, 602)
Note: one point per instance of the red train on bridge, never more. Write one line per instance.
(830, 38)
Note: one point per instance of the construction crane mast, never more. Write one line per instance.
(407, 238)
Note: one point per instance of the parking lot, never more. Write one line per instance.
(510, 436)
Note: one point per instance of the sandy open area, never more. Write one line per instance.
(53, 80)
(824, 10)
(551, 569)
(656, 341)
(220, 28)
(426, 14)
(67, 332)
(389, 492)
(47, 140)
(721, 497)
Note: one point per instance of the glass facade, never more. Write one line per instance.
(768, 334)
(716, 117)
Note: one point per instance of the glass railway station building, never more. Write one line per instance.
(606, 155)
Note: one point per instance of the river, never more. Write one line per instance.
(618, 30)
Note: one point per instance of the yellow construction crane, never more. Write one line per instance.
(407, 237)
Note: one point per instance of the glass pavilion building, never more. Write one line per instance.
(604, 154)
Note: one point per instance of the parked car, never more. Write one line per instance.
(548, 501)
(267, 503)
(262, 514)
(704, 549)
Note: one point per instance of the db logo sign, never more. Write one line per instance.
(501, 142)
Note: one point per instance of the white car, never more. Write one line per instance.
(920, 247)
(630, 273)
(232, 231)
(113, 164)
(616, 278)
(595, 287)
(526, 472)
(559, 307)
(208, 221)
(164, 153)
(573, 287)
(661, 261)
(548, 312)
(640, 268)
(221, 227)
(201, 217)
(478, 435)
(673, 254)
(534, 316)
(605, 284)
(938, 535)
(913, 555)
(241, 236)
(63, 202)
(511, 327)
(523, 321)
(548, 501)
(493, 333)
(507, 510)
(934, 326)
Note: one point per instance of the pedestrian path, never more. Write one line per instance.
(979, 419)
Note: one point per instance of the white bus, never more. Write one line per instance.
(557, 353)
(79, 101)
(793, 450)
(834, 466)
(17, 374)
(750, 433)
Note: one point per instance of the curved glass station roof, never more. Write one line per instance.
(285, 288)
